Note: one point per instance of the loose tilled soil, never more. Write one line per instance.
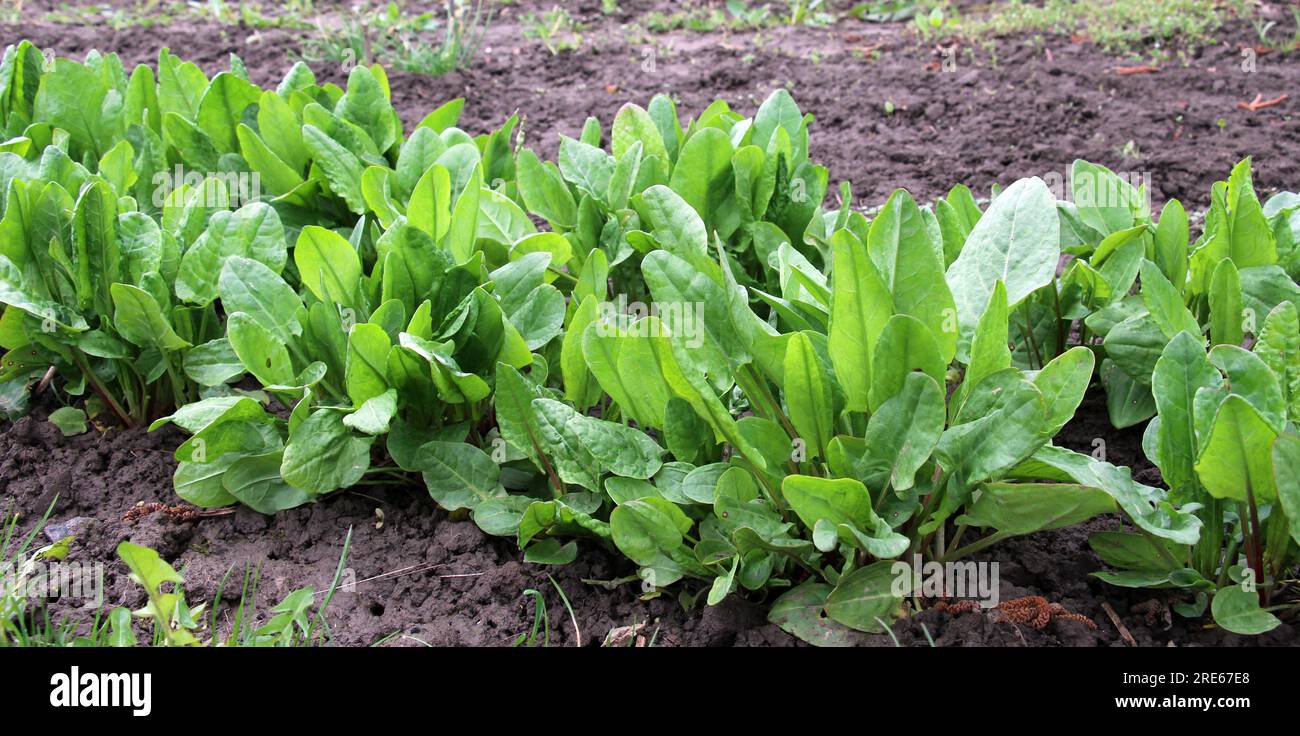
(1029, 109)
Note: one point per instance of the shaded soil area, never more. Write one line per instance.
(424, 577)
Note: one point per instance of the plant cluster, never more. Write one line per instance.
(664, 341)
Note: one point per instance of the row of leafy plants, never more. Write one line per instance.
(663, 341)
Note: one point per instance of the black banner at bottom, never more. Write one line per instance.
(305, 686)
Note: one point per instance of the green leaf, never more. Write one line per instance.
(140, 320)
(544, 192)
(1063, 381)
(430, 206)
(808, 394)
(1145, 506)
(1238, 611)
(1171, 244)
(633, 125)
(1134, 551)
(904, 431)
(69, 420)
(620, 449)
(258, 349)
(580, 387)
(1235, 462)
(341, 167)
(1278, 347)
(1165, 303)
(1226, 305)
(549, 552)
(249, 286)
(702, 175)
(459, 476)
(253, 231)
(1135, 345)
(905, 345)
(840, 501)
(255, 480)
(911, 267)
(366, 373)
(673, 221)
(1017, 241)
(1286, 475)
(800, 613)
(982, 449)
(687, 435)
(328, 265)
(1249, 377)
(860, 307)
(1024, 508)
(1182, 370)
(323, 455)
(374, 415)
(648, 531)
(867, 598)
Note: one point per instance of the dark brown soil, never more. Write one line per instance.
(1028, 107)
(1027, 113)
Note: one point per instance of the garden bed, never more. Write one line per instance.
(886, 118)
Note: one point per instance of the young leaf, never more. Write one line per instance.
(1017, 241)
(808, 394)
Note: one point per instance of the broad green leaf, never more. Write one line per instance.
(341, 167)
(1286, 475)
(1017, 242)
(248, 286)
(429, 208)
(323, 455)
(1278, 347)
(1183, 368)
(633, 125)
(1249, 377)
(1144, 505)
(702, 175)
(1226, 305)
(258, 349)
(904, 430)
(372, 417)
(69, 420)
(800, 613)
(911, 267)
(1165, 303)
(1024, 508)
(1171, 244)
(1235, 462)
(367, 362)
(459, 476)
(253, 231)
(328, 265)
(860, 307)
(674, 222)
(905, 345)
(140, 320)
(255, 481)
(840, 501)
(1063, 381)
(808, 394)
(544, 192)
(1238, 611)
(620, 449)
(866, 598)
(686, 434)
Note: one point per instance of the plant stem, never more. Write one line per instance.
(79, 358)
(976, 546)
